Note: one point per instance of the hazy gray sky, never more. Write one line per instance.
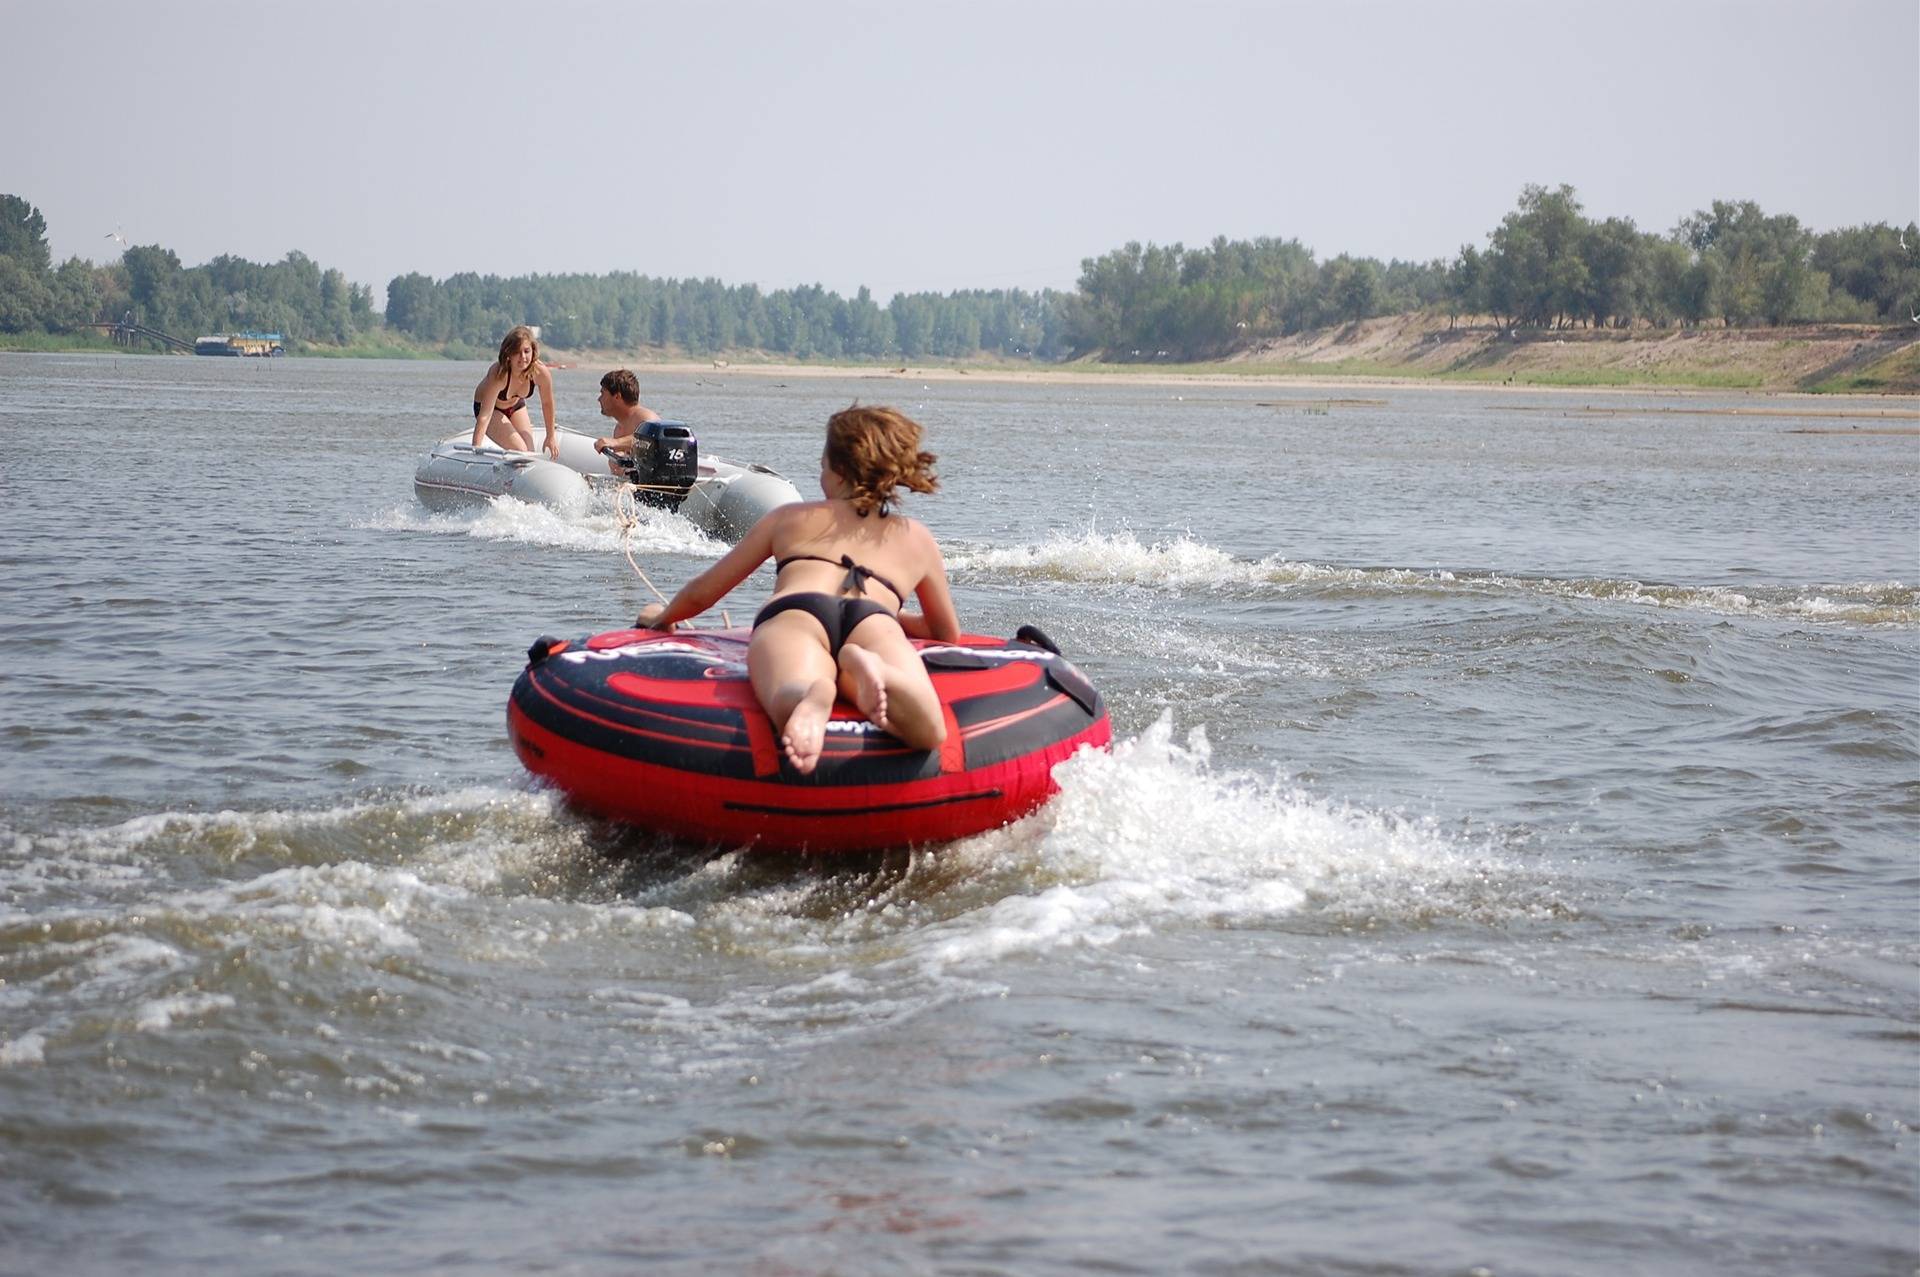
(911, 146)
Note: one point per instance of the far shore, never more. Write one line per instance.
(1829, 362)
(1835, 364)
(1908, 405)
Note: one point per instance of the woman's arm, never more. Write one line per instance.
(544, 380)
(489, 390)
(703, 591)
(937, 618)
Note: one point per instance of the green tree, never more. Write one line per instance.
(1762, 261)
(336, 308)
(410, 301)
(1870, 266)
(912, 324)
(153, 279)
(23, 235)
(1537, 276)
(76, 295)
(956, 329)
(1612, 255)
(24, 297)
(870, 331)
(1668, 263)
(1466, 284)
(1350, 289)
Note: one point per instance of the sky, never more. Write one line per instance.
(911, 147)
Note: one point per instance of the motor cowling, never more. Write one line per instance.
(664, 463)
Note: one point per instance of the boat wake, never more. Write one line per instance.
(200, 921)
(1096, 559)
(594, 527)
(1151, 835)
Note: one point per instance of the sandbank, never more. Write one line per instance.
(1885, 407)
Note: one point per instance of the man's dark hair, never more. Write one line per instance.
(624, 385)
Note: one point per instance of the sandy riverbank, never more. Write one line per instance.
(1854, 365)
(1825, 358)
(1891, 407)
(1855, 370)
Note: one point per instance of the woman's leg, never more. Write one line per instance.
(793, 676)
(522, 425)
(500, 429)
(882, 674)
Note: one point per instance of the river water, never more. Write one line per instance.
(1506, 860)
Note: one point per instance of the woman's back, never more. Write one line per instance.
(835, 624)
(897, 551)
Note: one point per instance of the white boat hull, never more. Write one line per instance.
(726, 500)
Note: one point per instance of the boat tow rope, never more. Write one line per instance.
(627, 514)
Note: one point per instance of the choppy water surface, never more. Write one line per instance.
(1507, 858)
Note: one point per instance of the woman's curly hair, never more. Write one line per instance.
(877, 450)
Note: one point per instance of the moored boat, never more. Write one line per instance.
(249, 345)
(663, 731)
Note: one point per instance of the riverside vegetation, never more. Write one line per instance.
(1551, 283)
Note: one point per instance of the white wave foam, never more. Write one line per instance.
(159, 1014)
(1859, 603)
(241, 831)
(28, 1048)
(1141, 839)
(455, 845)
(345, 906)
(1121, 558)
(120, 959)
(1145, 839)
(594, 527)
(1148, 836)
(1094, 558)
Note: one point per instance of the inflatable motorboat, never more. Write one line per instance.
(662, 730)
(722, 498)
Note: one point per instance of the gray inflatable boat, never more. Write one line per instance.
(722, 498)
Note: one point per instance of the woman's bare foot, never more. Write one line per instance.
(806, 731)
(867, 675)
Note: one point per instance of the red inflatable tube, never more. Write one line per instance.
(663, 731)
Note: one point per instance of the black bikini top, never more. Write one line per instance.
(857, 576)
(505, 397)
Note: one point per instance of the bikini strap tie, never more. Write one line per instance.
(856, 582)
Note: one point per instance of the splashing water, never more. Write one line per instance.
(593, 527)
(1095, 558)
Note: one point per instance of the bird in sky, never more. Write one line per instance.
(116, 237)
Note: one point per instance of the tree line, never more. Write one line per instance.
(625, 311)
(294, 297)
(1546, 266)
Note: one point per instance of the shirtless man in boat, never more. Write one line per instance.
(620, 400)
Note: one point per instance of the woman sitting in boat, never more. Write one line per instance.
(845, 566)
(500, 400)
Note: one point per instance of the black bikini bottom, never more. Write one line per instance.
(837, 615)
(506, 410)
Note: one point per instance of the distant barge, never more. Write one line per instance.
(257, 345)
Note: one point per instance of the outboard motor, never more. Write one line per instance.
(664, 463)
